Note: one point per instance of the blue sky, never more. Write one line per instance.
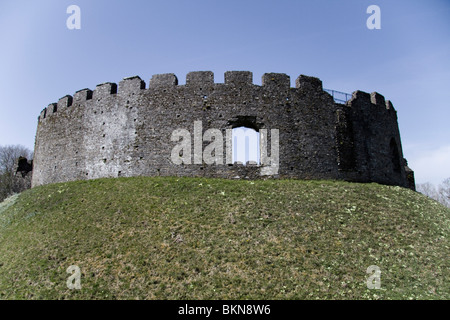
(408, 60)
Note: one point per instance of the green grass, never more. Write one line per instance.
(194, 238)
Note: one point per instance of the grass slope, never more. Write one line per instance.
(194, 238)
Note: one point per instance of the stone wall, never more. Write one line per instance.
(125, 130)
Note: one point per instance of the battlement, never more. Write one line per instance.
(275, 82)
(163, 80)
(125, 129)
(202, 79)
(104, 89)
(306, 82)
(361, 99)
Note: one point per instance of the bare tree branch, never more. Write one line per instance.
(440, 194)
(11, 183)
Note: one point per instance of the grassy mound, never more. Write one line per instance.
(194, 238)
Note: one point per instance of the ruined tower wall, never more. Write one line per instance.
(126, 129)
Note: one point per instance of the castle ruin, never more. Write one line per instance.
(125, 130)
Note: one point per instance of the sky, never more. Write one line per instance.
(407, 60)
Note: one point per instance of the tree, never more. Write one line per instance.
(440, 194)
(10, 182)
(444, 192)
(428, 189)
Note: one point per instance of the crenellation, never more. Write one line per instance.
(82, 95)
(308, 83)
(131, 85)
(377, 99)
(104, 90)
(125, 130)
(390, 106)
(65, 102)
(51, 109)
(163, 80)
(361, 96)
(43, 114)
